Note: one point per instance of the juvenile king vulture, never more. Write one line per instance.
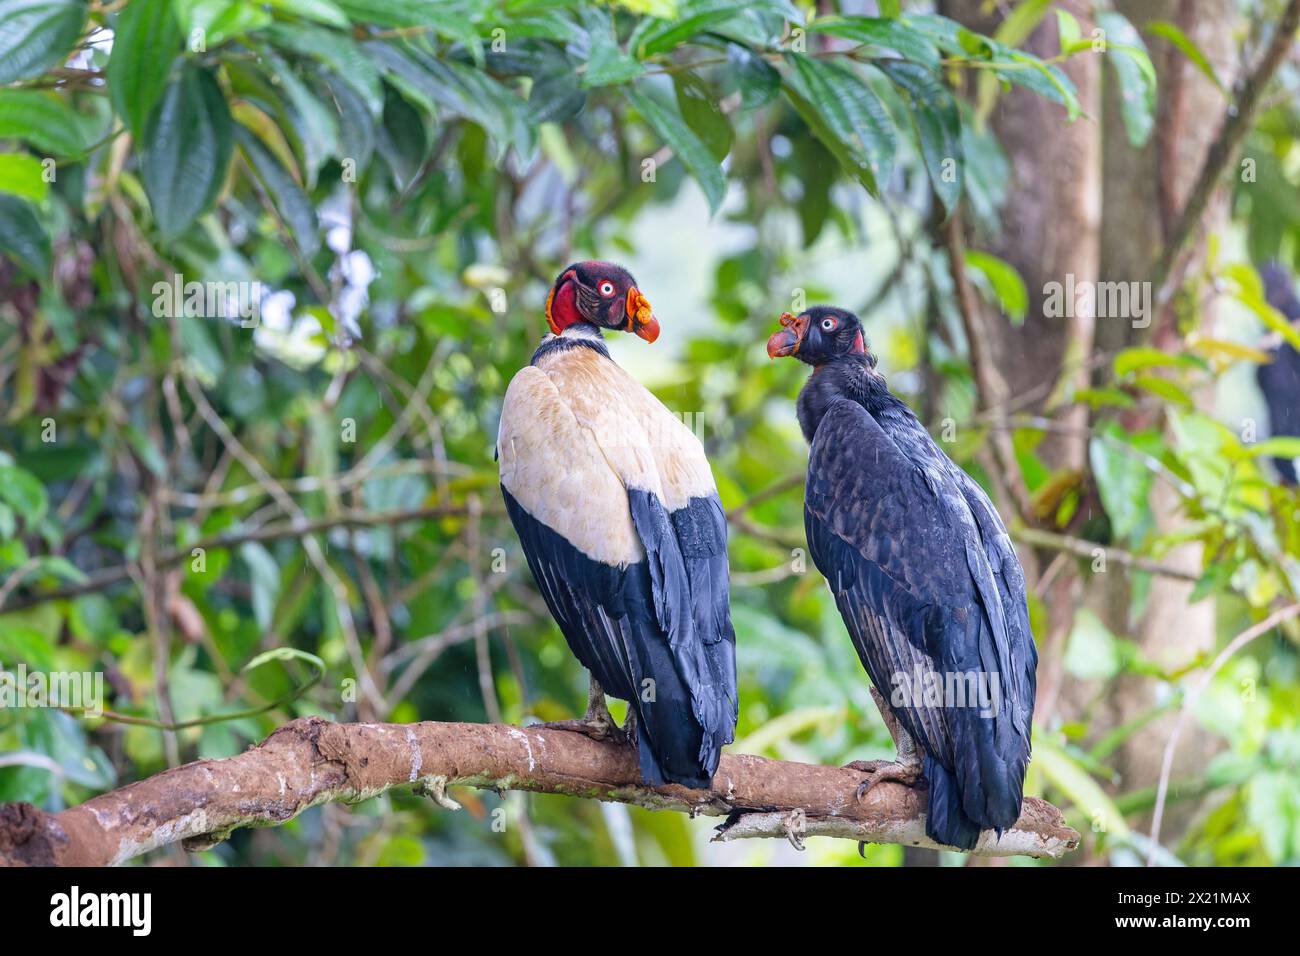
(926, 580)
(622, 528)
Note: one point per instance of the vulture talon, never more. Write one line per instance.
(879, 771)
(595, 729)
(596, 723)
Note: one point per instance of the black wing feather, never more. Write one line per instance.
(913, 573)
(634, 628)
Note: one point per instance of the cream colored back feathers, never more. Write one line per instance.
(576, 432)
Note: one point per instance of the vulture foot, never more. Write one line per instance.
(595, 729)
(878, 771)
(905, 770)
(596, 723)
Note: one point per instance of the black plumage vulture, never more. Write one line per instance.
(926, 580)
(615, 506)
(1279, 380)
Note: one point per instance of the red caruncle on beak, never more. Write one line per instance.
(788, 340)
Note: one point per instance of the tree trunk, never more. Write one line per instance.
(1085, 203)
(1144, 192)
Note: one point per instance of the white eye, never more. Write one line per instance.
(828, 325)
(606, 288)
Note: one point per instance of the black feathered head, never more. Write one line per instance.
(820, 334)
(603, 294)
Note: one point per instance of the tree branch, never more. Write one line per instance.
(1083, 548)
(313, 761)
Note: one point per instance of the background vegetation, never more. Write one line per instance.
(182, 493)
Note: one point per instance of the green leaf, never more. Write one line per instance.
(938, 127)
(356, 122)
(816, 170)
(1270, 316)
(1091, 653)
(146, 39)
(396, 13)
(220, 20)
(758, 81)
(892, 34)
(1171, 32)
(24, 492)
(23, 175)
(1164, 388)
(62, 568)
(1079, 787)
(695, 17)
(22, 643)
(1016, 27)
(1132, 359)
(1282, 446)
(1226, 350)
(36, 35)
(23, 239)
(284, 654)
(1007, 285)
(146, 449)
(340, 53)
(1067, 29)
(699, 108)
(290, 201)
(187, 146)
(322, 11)
(1136, 76)
(1044, 79)
(401, 138)
(851, 114)
(459, 88)
(313, 125)
(1098, 397)
(950, 36)
(41, 119)
(555, 98)
(264, 576)
(607, 64)
(695, 156)
(1123, 480)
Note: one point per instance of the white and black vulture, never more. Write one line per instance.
(926, 580)
(620, 521)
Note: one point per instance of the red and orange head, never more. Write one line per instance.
(602, 294)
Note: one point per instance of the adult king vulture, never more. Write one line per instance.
(622, 528)
(926, 580)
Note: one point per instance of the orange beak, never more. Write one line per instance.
(640, 320)
(788, 340)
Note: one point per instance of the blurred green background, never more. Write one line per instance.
(182, 490)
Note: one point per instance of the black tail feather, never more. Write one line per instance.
(945, 820)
